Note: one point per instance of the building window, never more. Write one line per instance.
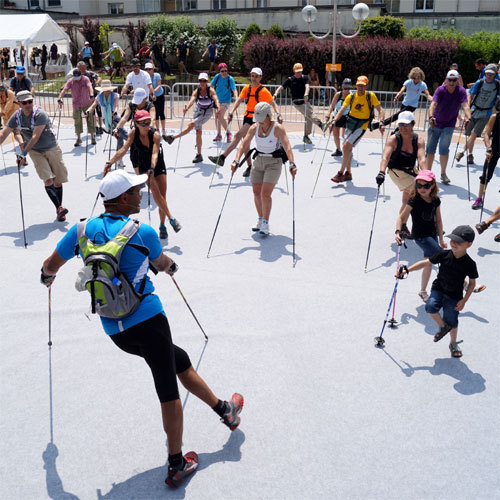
(261, 4)
(191, 4)
(52, 3)
(424, 5)
(219, 4)
(115, 8)
(34, 4)
(148, 5)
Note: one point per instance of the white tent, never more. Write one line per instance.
(32, 30)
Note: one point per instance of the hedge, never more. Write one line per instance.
(373, 55)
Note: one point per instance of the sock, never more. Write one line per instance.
(52, 193)
(220, 408)
(265, 221)
(59, 192)
(176, 461)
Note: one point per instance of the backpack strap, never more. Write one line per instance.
(216, 80)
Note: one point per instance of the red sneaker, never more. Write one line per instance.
(229, 137)
(176, 476)
(231, 418)
(347, 176)
(339, 177)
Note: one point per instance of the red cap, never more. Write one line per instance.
(142, 114)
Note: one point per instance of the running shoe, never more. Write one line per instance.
(229, 137)
(175, 224)
(231, 417)
(169, 138)
(77, 143)
(470, 158)
(164, 135)
(339, 177)
(218, 160)
(163, 232)
(306, 140)
(198, 158)
(93, 142)
(217, 138)
(459, 155)
(347, 176)
(445, 179)
(258, 225)
(477, 204)
(264, 228)
(337, 153)
(61, 213)
(176, 476)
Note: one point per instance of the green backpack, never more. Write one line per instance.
(113, 296)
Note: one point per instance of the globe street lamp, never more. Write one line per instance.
(359, 12)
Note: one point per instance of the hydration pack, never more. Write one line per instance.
(112, 294)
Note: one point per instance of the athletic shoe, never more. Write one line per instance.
(198, 158)
(93, 142)
(169, 138)
(445, 179)
(175, 476)
(459, 155)
(77, 143)
(477, 204)
(61, 213)
(98, 130)
(480, 228)
(258, 225)
(470, 158)
(164, 135)
(218, 160)
(337, 153)
(306, 140)
(246, 173)
(347, 176)
(231, 418)
(163, 232)
(229, 137)
(264, 228)
(339, 177)
(175, 225)
(497, 238)
(217, 138)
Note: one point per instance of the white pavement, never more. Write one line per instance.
(327, 415)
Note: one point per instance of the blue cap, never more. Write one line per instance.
(20, 69)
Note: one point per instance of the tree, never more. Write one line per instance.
(225, 31)
(90, 31)
(389, 26)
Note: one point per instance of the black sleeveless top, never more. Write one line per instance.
(402, 160)
(133, 109)
(140, 155)
(495, 135)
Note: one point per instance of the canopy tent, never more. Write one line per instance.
(32, 30)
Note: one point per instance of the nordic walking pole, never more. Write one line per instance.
(95, 203)
(392, 322)
(179, 145)
(371, 232)
(3, 157)
(458, 143)
(189, 307)
(149, 194)
(286, 179)
(383, 184)
(321, 164)
(485, 170)
(228, 131)
(86, 144)
(317, 147)
(293, 221)
(380, 341)
(59, 122)
(218, 219)
(19, 160)
(50, 317)
(468, 173)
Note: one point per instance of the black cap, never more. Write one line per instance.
(462, 234)
(77, 72)
(136, 62)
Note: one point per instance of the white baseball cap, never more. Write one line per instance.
(406, 117)
(115, 45)
(86, 43)
(262, 110)
(203, 76)
(257, 71)
(149, 66)
(139, 96)
(119, 181)
(452, 74)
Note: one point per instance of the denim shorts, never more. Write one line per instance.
(429, 245)
(438, 300)
(441, 135)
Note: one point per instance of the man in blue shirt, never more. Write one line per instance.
(225, 87)
(146, 331)
(86, 54)
(213, 55)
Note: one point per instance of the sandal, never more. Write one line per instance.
(442, 332)
(455, 350)
(423, 295)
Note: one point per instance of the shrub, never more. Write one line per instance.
(389, 26)
(104, 32)
(252, 29)
(276, 30)
(427, 33)
(90, 31)
(171, 29)
(225, 31)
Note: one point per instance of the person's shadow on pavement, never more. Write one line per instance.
(55, 488)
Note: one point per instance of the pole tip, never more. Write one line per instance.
(50, 343)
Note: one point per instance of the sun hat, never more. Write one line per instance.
(142, 114)
(106, 85)
(406, 117)
(462, 234)
(20, 69)
(119, 181)
(262, 110)
(24, 95)
(257, 71)
(298, 67)
(452, 74)
(203, 76)
(362, 80)
(491, 68)
(425, 175)
(139, 96)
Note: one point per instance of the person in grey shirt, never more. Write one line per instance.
(31, 124)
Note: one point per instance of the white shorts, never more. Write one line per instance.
(354, 137)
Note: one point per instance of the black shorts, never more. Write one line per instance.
(181, 59)
(152, 340)
(248, 120)
(342, 122)
(117, 64)
(160, 168)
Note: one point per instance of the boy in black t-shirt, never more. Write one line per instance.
(447, 289)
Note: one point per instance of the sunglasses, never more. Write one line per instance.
(427, 185)
(26, 102)
(452, 79)
(223, 70)
(144, 123)
(203, 81)
(404, 124)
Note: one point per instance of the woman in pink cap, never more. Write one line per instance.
(427, 225)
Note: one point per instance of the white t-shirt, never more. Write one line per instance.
(413, 92)
(142, 80)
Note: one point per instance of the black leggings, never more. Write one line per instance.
(152, 340)
(489, 167)
(394, 117)
(160, 107)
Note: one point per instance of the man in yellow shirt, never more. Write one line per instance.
(362, 104)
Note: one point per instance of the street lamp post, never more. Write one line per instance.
(359, 12)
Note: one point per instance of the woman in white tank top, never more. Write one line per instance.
(266, 168)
